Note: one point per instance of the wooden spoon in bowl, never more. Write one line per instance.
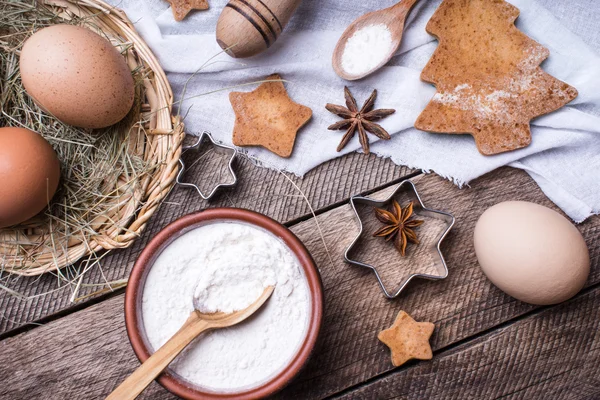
(196, 324)
(393, 17)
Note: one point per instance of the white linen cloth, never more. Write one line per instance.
(564, 157)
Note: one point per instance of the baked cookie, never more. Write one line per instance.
(267, 117)
(408, 339)
(181, 8)
(487, 75)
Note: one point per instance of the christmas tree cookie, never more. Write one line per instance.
(487, 75)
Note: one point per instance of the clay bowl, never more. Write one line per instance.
(133, 297)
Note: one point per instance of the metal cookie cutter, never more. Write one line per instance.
(220, 148)
(440, 263)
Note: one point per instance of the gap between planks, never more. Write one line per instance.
(462, 306)
(103, 297)
(549, 355)
(260, 189)
(464, 343)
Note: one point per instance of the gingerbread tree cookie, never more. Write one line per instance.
(487, 75)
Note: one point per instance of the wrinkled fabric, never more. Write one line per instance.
(564, 157)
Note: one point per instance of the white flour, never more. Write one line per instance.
(235, 286)
(367, 48)
(229, 264)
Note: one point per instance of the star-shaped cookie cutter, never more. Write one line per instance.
(419, 207)
(207, 137)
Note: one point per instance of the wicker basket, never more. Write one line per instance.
(24, 249)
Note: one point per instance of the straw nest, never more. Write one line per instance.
(113, 180)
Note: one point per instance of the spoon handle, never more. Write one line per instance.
(403, 6)
(153, 366)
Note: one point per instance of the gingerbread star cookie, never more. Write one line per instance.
(267, 117)
(181, 8)
(408, 339)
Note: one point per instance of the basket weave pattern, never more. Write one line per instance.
(157, 138)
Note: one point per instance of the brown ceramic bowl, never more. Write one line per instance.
(133, 297)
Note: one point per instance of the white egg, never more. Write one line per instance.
(531, 252)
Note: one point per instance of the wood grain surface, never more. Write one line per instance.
(86, 354)
(487, 345)
(463, 305)
(266, 191)
(551, 354)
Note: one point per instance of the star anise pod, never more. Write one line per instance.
(398, 225)
(359, 120)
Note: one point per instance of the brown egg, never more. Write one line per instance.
(29, 175)
(77, 76)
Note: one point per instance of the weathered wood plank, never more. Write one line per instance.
(71, 378)
(38, 368)
(349, 353)
(554, 354)
(259, 189)
(461, 306)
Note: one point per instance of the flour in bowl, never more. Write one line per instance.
(225, 266)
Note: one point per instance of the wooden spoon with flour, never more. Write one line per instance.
(370, 41)
(196, 324)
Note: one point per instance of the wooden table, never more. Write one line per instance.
(486, 344)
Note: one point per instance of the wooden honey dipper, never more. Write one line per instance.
(248, 27)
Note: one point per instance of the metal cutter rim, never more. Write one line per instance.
(206, 135)
(449, 218)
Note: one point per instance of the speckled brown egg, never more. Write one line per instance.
(77, 76)
(29, 175)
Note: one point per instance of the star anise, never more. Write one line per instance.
(359, 120)
(398, 225)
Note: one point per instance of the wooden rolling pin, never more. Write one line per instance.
(248, 27)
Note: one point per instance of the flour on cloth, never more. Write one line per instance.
(564, 157)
